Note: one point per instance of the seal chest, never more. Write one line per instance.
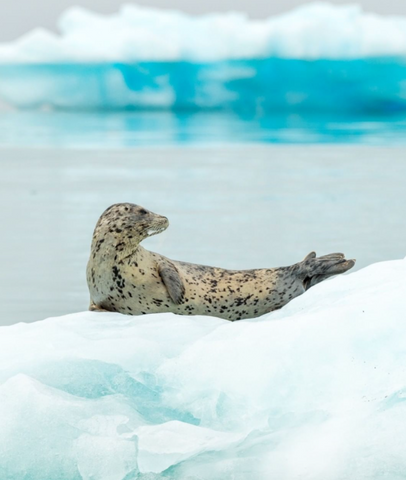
(124, 277)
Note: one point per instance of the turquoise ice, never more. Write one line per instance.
(254, 86)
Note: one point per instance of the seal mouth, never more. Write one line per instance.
(155, 231)
(159, 228)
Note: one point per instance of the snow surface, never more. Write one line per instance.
(314, 391)
(135, 33)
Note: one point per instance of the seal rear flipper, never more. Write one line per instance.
(314, 269)
(172, 280)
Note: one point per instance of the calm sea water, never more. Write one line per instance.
(162, 128)
(239, 193)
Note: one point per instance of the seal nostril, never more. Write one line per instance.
(143, 212)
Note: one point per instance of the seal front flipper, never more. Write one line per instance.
(94, 308)
(172, 280)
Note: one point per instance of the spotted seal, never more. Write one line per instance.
(124, 277)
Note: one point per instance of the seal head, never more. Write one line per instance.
(122, 227)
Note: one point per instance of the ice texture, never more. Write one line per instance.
(314, 391)
(315, 58)
(137, 33)
(253, 87)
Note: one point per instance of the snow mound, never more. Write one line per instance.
(135, 33)
(314, 391)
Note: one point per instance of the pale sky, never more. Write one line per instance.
(19, 16)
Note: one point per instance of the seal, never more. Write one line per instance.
(124, 277)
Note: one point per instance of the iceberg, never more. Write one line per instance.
(315, 390)
(316, 57)
(142, 34)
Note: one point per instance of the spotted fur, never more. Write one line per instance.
(124, 277)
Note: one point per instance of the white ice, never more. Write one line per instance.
(161, 446)
(314, 391)
(136, 33)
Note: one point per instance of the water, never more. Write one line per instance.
(121, 129)
(235, 205)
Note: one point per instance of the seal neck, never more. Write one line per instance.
(109, 249)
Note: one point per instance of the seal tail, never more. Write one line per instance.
(313, 270)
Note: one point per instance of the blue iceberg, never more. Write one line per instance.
(319, 57)
(316, 390)
(272, 85)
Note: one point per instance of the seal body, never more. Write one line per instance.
(124, 277)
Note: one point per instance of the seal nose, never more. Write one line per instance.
(165, 221)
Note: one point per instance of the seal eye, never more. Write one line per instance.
(144, 212)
